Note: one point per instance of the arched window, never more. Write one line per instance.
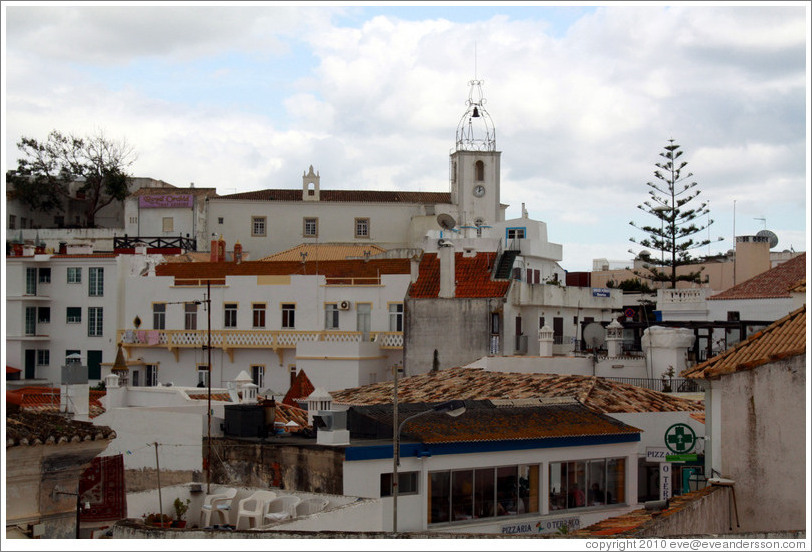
(480, 170)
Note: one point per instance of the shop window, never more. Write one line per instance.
(407, 483)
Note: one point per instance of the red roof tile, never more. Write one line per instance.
(486, 421)
(12, 370)
(300, 388)
(36, 428)
(772, 283)
(472, 274)
(782, 339)
(599, 394)
(356, 268)
(47, 399)
(355, 196)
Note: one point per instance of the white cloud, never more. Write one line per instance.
(580, 118)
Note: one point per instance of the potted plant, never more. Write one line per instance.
(180, 510)
(158, 520)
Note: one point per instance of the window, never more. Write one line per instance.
(407, 483)
(202, 375)
(190, 316)
(479, 168)
(311, 227)
(95, 320)
(583, 483)
(259, 315)
(133, 220)
(44, 315)
(43, 357)
(168, 224)
(396, 317)
(159, 316)
(74, 315)
(96, 281)
(288, 315)
(331, 316)
(74, 275)
(151, 377)
(483, 492)
(230, 312)
(44, 275)
(258, 226)
(12, 222)
(72, 353)
(30, 320)
(362, 228)
(23, 221)
(258, 375)
(515, 233)
(219, 220)
(30, 281)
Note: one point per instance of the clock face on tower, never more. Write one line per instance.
(479, 190)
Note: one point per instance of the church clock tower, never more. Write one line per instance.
(475, 164)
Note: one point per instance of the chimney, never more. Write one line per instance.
(752, 257)
(448, 271)
(221, 250)
(237, 252)
(213, 250)
(415, 268)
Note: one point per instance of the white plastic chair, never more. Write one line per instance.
(253, 508)
(280, 508)
(218, 504)
(311, 506)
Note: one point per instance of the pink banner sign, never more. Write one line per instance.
(165, 201)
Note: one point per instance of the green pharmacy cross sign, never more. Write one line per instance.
(680, 438)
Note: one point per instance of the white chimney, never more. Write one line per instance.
(448, 271)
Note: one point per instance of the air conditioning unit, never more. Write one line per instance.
(344, 305)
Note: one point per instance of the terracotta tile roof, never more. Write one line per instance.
(698, 416)
(47, 399)
(188, 257)
(286, 413)
(12, 370)
(800, 287)
(172, 190)
(222, 397)
(34, 428)
(85, 256)
(629, 524)
(485, 421)
(331, 269)
(782, 339)
(325, 252)
(300, 388)
(473, 277)
(601, 395)
(772, 283)
(354, 196)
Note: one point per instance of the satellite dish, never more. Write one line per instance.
(594, 335)
(769, 235)
(446, 221)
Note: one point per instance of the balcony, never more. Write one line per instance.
(230, 340)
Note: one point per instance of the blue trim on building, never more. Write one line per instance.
(381, 452)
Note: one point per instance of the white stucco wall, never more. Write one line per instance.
(763, 412)
(59, 336)
(177, 430)
(362, 478)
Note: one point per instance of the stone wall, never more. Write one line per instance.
(145, 479)
(309, 467)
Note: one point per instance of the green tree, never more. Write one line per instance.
(95, 166)
(672, 201)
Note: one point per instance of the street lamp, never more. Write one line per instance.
(452, 408)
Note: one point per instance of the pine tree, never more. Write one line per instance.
(670, 201)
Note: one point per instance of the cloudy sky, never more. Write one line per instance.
(246, 97)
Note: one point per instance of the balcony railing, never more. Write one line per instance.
(228, 340)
